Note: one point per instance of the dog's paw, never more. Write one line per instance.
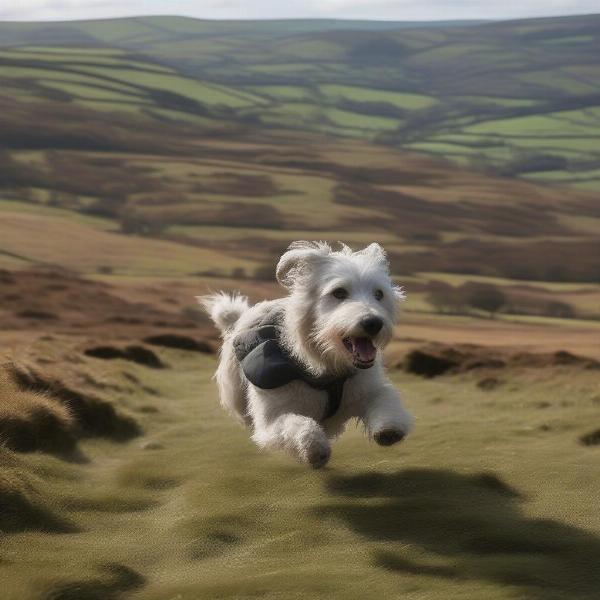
(318, 456)
(387, 437)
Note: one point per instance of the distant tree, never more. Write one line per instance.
(238, 273)
(54, 198)
(530, 163)
(484, 297)
(445, 298)
(556, 272)
(265, 272)
(135, 222)
(194, 313)
(562, 310)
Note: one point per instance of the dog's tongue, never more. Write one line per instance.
(364, 349)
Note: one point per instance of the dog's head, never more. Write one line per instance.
(343, 302)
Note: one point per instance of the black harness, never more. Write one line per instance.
(268, 366)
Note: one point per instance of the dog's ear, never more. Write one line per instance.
(298, 259)
(377, 254)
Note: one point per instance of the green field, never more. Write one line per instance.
(524, 94)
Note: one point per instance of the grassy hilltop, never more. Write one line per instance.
(144, 161)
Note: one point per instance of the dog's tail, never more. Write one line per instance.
(224, 309)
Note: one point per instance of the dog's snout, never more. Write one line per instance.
(372, 325)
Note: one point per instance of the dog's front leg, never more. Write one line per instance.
(385, 417)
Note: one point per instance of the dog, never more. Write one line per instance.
(296, 369)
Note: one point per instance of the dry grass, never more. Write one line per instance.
(31, 421)
(42, 241)
(92, 415)
(24, 506)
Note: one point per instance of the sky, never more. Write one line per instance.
(397, 10)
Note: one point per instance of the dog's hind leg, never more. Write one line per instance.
(232, 386)
(299, 435)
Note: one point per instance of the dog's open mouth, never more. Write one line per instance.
(363, 351)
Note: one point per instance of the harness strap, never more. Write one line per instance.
(334, 397)
(268, 366)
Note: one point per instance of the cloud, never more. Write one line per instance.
(32, 10)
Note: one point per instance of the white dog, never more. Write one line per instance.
(297, 368)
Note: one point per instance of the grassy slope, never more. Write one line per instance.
(201, 231)
(204, 514)
(228, 203)
(483, 94)
(226, 196)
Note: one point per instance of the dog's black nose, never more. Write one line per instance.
(372, 325)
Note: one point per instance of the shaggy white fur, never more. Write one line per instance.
(337, 317)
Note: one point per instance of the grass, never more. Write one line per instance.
(31, 421)
(345, 118)
(91, 92)
(550, 125)
(456, 279)
(190, 519)
(12, 206)
(283, 92)
(87, 249)
(202, 92)
(401, 100)
(76, 56)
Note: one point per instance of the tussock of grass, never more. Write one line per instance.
(591, 439)
(30, 420)
(92, 415)
(114, 579)
(181, 342)
(133, 353)
(22, 506)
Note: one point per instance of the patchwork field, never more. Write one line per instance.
(519, 97)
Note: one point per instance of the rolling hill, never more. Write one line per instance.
(520, 98)
(209, 165)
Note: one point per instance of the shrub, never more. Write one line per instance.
(135, 222)
(532, 163)
(265, 272)
(445, 298)
(484, 297)
(562, 310)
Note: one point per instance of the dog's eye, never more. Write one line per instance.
(340, 293)
(378, 295)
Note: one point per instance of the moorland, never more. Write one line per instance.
(144, 161)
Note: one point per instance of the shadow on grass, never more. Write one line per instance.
(115, 579)
(471, 523)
